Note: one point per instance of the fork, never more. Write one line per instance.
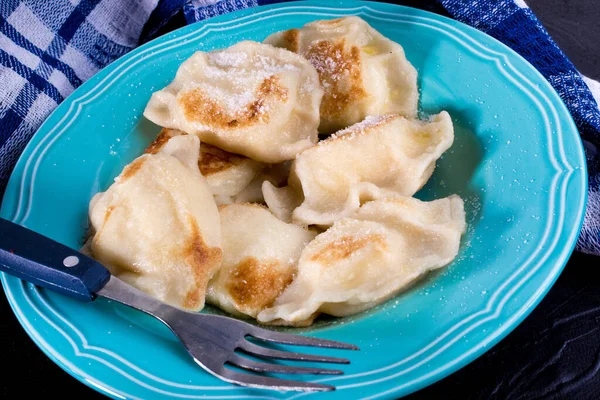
(214, 342)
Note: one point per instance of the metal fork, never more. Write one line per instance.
(213, 341)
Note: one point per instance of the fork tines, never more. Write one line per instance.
(253, 349)
(297, 340)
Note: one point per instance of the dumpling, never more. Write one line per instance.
(251, 99)
(380, 157)
(363, 73)
(227, 174)
(282, 201)
(260, 254)
(367, 258)
(275, 175)
(157, 227)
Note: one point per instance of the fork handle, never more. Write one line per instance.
(44, 262)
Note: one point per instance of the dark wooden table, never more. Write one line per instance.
(554, 353)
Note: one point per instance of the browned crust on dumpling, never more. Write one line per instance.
(203, 261)
(255, 285)
(339, 72)
(132, 168)
(345, 246)
(107, 214)
(201, 107)
(163, 137)
(291, 40)
(213, 159)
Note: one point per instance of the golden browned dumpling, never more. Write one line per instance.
(227, 174)
(369, 257)
(380, 157)
(157, 226)
(232, 178)
(362, 72)
(260, 254)
(250, 99)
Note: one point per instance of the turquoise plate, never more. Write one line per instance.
(517, 161)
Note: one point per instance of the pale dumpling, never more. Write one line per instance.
(157, 226)
(369, 257)
(282, 201)
(251, 99)
(260, 254)
(228, 175)
(363, 72)
(275, 175)
(382, 156)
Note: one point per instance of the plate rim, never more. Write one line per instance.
(338, 7)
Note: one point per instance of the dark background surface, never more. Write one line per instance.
(554, 353)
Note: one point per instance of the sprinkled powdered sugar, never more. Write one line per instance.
(331, 67)
(227, 58)
(359, 128)
(308, 87)
(239, 63)
(270, 65)
(369, 122)
(328, 65)
(231, 102)
(236, 77)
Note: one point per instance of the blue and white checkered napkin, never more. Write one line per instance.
(47, 48)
